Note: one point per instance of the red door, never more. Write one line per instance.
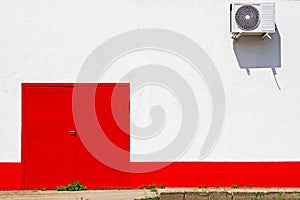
(52, 155)
(91, 172)
(49, 150)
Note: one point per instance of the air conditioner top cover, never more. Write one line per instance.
(252, 18)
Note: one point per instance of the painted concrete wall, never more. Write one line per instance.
(48, 41)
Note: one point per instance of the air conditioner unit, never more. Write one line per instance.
(252, 19)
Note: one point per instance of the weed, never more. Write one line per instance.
(61, 188)
(151, 186)
(74, 186)
(235, 186)
(161, 186)
(43, 189)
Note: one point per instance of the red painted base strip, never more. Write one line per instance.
(11, 176)
(223, 174)
(191, 174)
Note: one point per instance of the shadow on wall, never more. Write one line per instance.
(253, 52)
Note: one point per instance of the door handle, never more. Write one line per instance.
(73, 133)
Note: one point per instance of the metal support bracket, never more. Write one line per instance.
(266, 35)
(236, 36)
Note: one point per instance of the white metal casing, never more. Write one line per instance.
(267, 18)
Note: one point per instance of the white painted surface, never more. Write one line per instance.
(48, 41)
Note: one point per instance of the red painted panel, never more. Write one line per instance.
(49, 150)
(11, 176)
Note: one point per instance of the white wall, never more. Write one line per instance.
(48, 41)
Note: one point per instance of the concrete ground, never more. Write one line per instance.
(165, 194)
(77, 195)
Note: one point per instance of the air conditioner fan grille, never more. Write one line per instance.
(247, 18)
